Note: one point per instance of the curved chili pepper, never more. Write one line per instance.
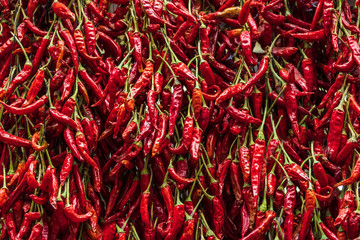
(83, 149)
(176, 176)
(26, 224)
(186, 137)
(160, 134)
(310, 36)
(241, 116)
(294, 170)
(144, 79)
(70, 213)
(62, 118)
(34, 143)
(32, 27)
(353, 177)
(13, 140)
(182, 29)
(328, 232)
(327, 197)
(63, 11)
(240, 87)
(28, 109)
(80, 44)
(19, 79)
(71, 143)
(115, 48)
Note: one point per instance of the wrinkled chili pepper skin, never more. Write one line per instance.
(291, 108)
(258, 155)
(63, 11)
(195, 145)
(310, 205)
(70, 43)
(353, 177)
(66, 168)
(245, 39)
(241, 116)
(13, 140)
(177, 222)
(71, 143)
(262, 228)
(160, 134)
(186, 137)
(70, 213)
(337, 120)
(188, 232)
(239, 88)
(175, 106)
(19, 79)
(144, 79)
(10, 222)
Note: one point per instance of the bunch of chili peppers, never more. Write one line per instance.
(153, 119)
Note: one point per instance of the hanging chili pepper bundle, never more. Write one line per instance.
(292, 175)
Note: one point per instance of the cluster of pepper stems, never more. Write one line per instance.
(217, 119)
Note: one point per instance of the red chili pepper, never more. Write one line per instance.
(310, 36)
(115, 48)
(150, 12)
(144, 79)
(13, 140)
(310, 206)
(327, 14)
(186, 136)
(70, 43)
(19, 79)
(244, 12)
(25, 110)
(241, 116)
(26, 224)
(244, 158)
(240, 87)
(70, 213)
(195, 145)
(32, 27)
(81, 46)
(71, 143)
(177, 177)
(182, 29)
(34, 143)
(63, 11)
(160, 134)
(66, 168)
(196, 102)
(259, 152)
(335, 129)
(83, 149)
(245, 39)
